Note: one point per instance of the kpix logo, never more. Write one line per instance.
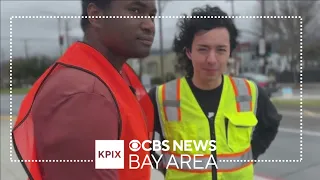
(109, 154)
(113, 154)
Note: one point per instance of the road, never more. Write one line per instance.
(5, 100)
(285, 147)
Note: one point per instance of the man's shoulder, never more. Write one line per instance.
(67, 82)
(153, 90)
(72, 88)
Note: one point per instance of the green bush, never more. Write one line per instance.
(170, 76)
(157, 81)
(27, 71)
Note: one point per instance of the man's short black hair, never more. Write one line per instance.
(99, 3)
(188, 27)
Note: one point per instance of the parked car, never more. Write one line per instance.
(269, 84)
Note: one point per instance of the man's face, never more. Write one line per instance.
(210, 53)
(129, 37)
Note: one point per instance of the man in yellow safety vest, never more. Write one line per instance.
(206, 105)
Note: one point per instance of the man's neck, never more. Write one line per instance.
(116, 60)
(206, 85)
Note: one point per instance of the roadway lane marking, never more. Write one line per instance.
(262, 178)
(312, 114)
(296, 114)
(297, 131)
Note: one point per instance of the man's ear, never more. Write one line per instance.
(94, 12)
(188, 53)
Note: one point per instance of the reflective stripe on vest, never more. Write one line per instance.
(225, 163)
(243, 95)
(171, 98)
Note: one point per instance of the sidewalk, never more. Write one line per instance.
(297, 97)
(304, 85)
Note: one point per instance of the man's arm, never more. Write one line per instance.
(70, 133)
(268, 124)
(157, 129)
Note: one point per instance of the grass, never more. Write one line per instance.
(15, 91)
(295, 103)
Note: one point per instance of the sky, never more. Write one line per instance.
(40, 36)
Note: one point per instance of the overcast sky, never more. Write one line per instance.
(42, 33)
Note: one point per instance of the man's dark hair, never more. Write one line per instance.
(190, 26)
(99, 3)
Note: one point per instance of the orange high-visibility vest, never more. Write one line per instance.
(142, 96)
(140, 108)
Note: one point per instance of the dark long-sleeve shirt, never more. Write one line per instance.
(267, 115)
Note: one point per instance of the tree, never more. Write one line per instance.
(286, 31)
(26, 71)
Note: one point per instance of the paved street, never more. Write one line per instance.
(5, 100)
(285, 147)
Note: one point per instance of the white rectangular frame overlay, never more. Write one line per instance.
(240, 17)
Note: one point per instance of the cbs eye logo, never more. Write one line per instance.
(134, 145)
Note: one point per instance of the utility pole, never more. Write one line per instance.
(263, 41)
(60, 35)
(26, 48)
(2, 55)
(161, 40)
(67, 32)
(232, 7)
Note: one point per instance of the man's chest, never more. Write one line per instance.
(208, 104)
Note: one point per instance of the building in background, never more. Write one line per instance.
(233, 67)
(151, 65)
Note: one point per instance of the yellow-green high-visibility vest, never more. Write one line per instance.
(182, 118)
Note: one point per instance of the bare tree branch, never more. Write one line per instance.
(288, 29)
